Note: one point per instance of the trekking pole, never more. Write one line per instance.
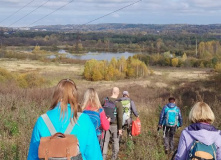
(158, 131)
(174, 155)
(103, 141)
(164, 131)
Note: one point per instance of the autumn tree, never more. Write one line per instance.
(184, 57)
(174, 62)
(115, 69)
(89, 69)
(36, 49)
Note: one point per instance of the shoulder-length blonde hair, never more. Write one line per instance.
(201, 112)
(66, 93)
(91, 99)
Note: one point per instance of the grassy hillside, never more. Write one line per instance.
(20, 107)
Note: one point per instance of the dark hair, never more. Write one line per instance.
(171, 99)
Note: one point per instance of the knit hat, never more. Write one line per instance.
(125, 93)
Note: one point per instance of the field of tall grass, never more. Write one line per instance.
(21, 106)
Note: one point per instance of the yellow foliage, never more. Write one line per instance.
(218, 67)
(88, 69)
(184, 57)
(25, 80)
(202, 65)
(37, 49)
(175, 62)
(30, 80)
(115, 69)
(5, 75)
(97, 76)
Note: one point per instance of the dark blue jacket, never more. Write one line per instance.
(163, 115)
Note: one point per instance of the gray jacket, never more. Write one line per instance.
(132, 105)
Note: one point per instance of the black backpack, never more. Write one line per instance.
(110, 109)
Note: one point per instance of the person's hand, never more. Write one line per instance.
(109, 119)
(160, 126)
(120, 132)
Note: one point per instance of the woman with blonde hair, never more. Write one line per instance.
(64, 108)
(91, 106)
(200, 140)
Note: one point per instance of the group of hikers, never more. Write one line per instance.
(94, 124)
(199, 141)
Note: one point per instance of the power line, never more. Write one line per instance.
(17, 11)
(89, 21)
(29, 13)
(51, 13)
(111, 12)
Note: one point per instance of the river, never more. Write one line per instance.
(93, 55)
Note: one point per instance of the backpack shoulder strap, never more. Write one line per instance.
(49, 124)
(100, 110)
(71, 124)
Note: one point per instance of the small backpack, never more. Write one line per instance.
(171, 118)
(59, 146)
(110, 109)
(126, 110)
(95, 118)
(200, 151)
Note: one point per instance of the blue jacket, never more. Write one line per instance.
(163, 115)
(83, 130)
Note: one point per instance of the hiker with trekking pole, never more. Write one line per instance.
(170, 119)
(113, 109)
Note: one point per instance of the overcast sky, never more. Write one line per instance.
(83, 11)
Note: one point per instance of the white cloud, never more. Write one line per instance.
(86, 10)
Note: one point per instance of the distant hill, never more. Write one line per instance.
(145, 28)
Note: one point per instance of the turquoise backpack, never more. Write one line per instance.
(171, 116)
(200, 151)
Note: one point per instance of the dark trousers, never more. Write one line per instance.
(128, 126)
(168, 139)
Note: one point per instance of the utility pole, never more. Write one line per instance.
(196, 47)
(1, 35)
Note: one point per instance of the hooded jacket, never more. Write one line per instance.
(202, 132)
(163, 115)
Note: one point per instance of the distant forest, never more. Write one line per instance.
(177, 38)
(166, 45)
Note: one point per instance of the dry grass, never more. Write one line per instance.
(27, 66)
(20, 108)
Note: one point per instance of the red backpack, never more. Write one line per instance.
(136, 127)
